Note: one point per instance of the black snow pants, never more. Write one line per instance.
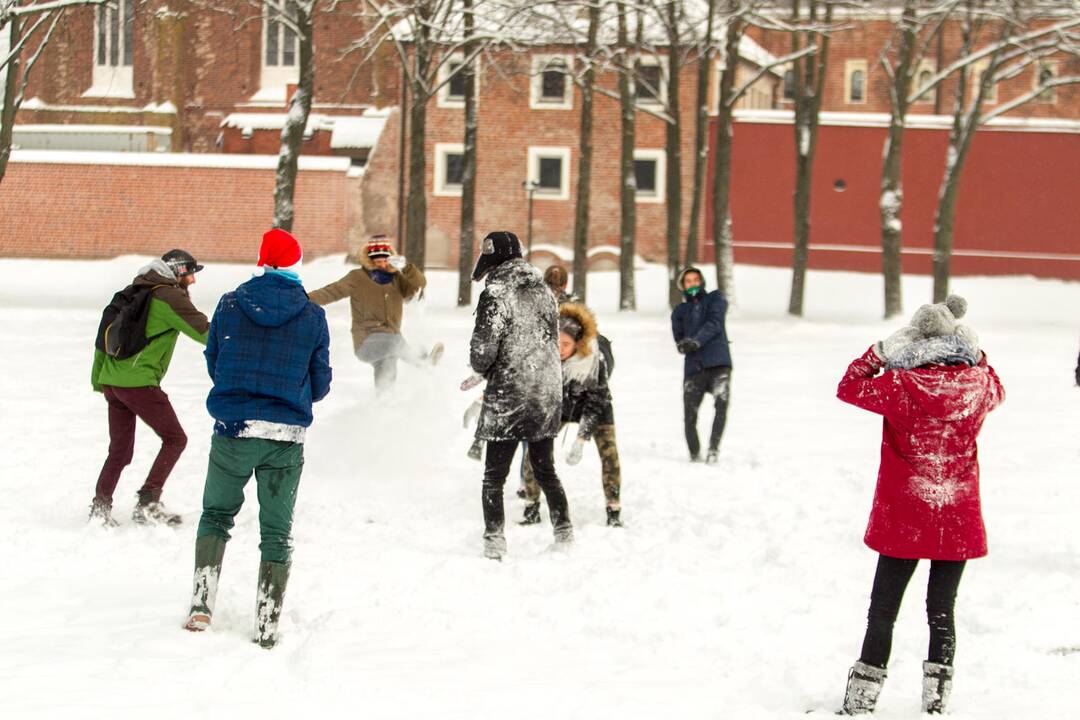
(890, 581)
(717, 382)
(541, 454)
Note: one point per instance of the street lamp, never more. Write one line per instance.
(530, 187)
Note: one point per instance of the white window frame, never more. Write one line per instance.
(660, 156)
(850, 68)
(275, 79)
(925, 66)
(115, 81)
(536, 83)
(535, 153)
(443, 98)
(441, 189)
(1050, 96)
(977, 69)
(661, 92)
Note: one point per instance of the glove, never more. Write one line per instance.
(688, 345)
(472, 381)
(574, 456)
(398, 262)
(1078, 374)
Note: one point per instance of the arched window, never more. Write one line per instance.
(858, 89)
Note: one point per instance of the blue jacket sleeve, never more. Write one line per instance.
(714, 319)
(211, 351)
(319, 367)
(677, 329)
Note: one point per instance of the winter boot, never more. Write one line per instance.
(436, 353)
(564, 536)
(532, 514)
(613, 519)
(209, 553)
(863, 687)
(154, 513)
(273, 577)
(101, 513)
(494, 546)
(712, 457)
(936, 687)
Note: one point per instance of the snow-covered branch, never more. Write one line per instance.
(790, 57)
(1028, 96)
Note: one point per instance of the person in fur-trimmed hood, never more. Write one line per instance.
(586, 400)
(377, 292)
(933, 387)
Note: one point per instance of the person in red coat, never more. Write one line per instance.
(934, 388)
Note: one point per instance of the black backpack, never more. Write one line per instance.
(605, 350)
(122, 332)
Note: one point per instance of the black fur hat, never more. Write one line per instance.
(496, 248)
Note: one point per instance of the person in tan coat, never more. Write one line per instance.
(377, 292)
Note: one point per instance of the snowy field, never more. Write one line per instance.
(735, 591)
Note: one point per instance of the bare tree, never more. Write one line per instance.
(674, 16)
(627, 177)
(296, 15)
(581, 209)
(30, 26)
(810, 74)
(468, 173)
(701, 125)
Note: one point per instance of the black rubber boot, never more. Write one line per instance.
(613, 519)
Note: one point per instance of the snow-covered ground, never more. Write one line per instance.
(736, 591)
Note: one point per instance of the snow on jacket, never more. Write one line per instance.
(586, 398)
(171, 312)
(375, 307)
(268, 355)
(515, 348)
(926, 504)
(702, 318)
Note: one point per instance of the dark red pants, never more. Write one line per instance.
(152, 406)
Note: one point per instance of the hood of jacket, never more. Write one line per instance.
(516, 273)
(271, 300)
(156, 272)
(947, 392)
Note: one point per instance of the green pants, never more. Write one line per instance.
(277, 466)
(611, 473)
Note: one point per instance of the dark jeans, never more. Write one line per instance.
(277, 466)
(890, 581)
(152, 406)
(500, 454)
(717, 382)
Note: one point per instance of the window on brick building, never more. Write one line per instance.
(456, 89)
(855, 81)
(451, 92)
(280, 51)
(550, 86)
(650, 167)
(925, 74)
(549, 169)
(114, 52)
(449, 169)
(789, 85)
(1042, 75)
(650, 86)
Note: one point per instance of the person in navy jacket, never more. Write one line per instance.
(697, 325)
(269, 359)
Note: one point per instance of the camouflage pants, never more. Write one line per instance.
(611, 473)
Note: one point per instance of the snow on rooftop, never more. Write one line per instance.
(358, 132)
(57, 128)
(193, 160)
(348, 131)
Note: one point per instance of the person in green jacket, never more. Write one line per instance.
(132, 389)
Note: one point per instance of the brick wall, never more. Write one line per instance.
(58, 210)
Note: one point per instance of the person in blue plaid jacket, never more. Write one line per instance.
(268, 356)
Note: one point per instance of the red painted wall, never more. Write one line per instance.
(1019, 194)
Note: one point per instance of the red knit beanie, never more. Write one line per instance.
(280, 250)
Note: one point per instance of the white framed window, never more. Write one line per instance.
(855, 82)
(549, 170)
(280, 50)
(551, 87)
(452, 93)
(449, 169)
(650, 168)
(650, 80)
(1044, 72)
(114, 50)
(926, 71)
(977, 72)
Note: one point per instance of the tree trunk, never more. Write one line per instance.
(673, 147)
(416, 202)
(701, 123)
(581, 210)
(892, 192)
(292, 134)
(627, 178)
(8, 108)
(468, 179)
(721, 199)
